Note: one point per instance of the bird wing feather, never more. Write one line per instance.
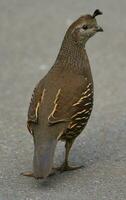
(64, 100)
(35, 102)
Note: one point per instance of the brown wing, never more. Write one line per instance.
(82, 107)
(58, 114)
(36, 99)
(80, 111)
(64, 100)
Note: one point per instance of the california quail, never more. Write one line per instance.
(62, 101)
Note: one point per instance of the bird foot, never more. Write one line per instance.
(30, 174)
(66, 167)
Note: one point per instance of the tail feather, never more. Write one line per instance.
(43, 157)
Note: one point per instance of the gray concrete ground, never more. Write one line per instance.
(30, 36)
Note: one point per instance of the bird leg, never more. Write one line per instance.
(65, 166)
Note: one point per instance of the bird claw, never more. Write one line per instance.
(65, 167)
(30, 174)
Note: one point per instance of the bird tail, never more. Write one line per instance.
(43, 156)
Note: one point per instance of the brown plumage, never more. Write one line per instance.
(62, 101)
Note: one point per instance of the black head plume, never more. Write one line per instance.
(96, 12)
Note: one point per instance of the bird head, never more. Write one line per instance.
(85, 27)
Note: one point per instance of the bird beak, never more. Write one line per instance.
(98, 29)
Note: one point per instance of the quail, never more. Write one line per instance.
(62, 101)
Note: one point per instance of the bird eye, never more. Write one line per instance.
(85, 27)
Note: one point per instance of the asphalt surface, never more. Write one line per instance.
(31, 33)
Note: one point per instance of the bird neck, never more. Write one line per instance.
(72, 56)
